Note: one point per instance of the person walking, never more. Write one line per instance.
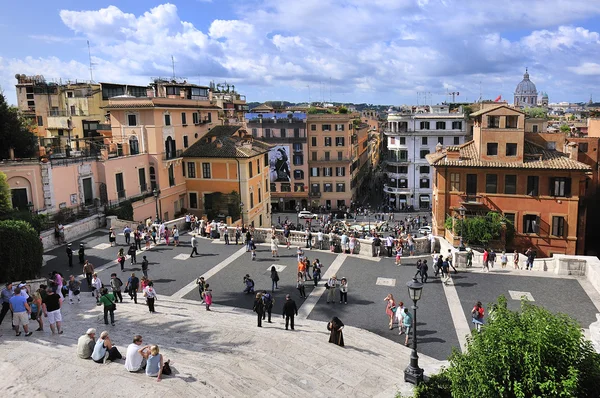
(127, 234)
(320, 239)
(259, 308)
(88, 271)
(390, 309)
(469, 257)
(531, 254)
(238, 235)
(486, 267)
(331, 287)
(308, 238)
(145, 266)
(104, 350)
(194, 243)
(132, 251)
(175, 235)
(51, 305)
(96, 287)
(36, 307)
(274, 278)
(70, 255)
(289, 311)
(121, 258)
(112, 238)
(431, 239)
(167, 235)
(21, 312)
(477, 314)
(81, 254)
(252, 247)
(109, 306)
(226, 234)
(445, 271)
(376, 246)
(492, 258)
(286, 235)
(450, 258)
(268, 302)
(516, 259)
(503, 259)
(300, 285)
(274, 246)
(407, 324)
(389, 243)
(116, 284)
(5, 296)
(399, 255)
(132, 286)
(344, 291)
(335, 326)
(137, 237)
(150, 295)
(207, 296)
(74, 289)
(201, 284)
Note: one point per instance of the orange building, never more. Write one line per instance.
(224, 161)
(537, 189)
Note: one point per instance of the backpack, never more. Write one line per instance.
(267, 300)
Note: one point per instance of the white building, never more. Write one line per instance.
(411, 134)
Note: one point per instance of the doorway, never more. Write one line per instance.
(88, 194)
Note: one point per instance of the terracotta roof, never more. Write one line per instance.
(262, 107)
(535, 157)
(225, 142)
(486, 110)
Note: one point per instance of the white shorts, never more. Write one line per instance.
(54, 316)
(21, 318)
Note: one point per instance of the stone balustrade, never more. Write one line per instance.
(298, 238)
(73, 231)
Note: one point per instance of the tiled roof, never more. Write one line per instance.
(535, 157)
(225, 142)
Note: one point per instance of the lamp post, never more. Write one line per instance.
(156, 192)
(297, 215)
(413, 374)
(242, 212)
(461, 210)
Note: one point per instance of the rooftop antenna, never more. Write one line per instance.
(173, 66)
(91, 63)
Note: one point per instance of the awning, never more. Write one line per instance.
(424, 198)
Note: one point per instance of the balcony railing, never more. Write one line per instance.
(288, 140)
(172, 154)
(333, 159)
(121, 194)
(314, 194)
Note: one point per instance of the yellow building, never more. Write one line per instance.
(227, 171)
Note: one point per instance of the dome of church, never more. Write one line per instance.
(544, 95)
(526, 87)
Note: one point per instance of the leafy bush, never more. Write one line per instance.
(480, 230)
(20, 252)
(37, 221)
(123, 212)
(531, 353)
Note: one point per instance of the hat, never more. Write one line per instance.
(91, 331)
(22, 285)
(68, 244)
(81, 244)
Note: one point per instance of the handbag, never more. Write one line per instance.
(113, 307)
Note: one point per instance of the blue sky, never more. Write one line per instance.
(377, 51)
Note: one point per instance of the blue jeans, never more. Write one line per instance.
(273, 285)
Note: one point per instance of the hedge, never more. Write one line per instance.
(20, 252)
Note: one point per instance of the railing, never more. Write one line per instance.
(104, 126)
(121, 194)
(172, 154)
(289, 140)
(471, 198)
(333, 159)
(57, 113)
(314, 194)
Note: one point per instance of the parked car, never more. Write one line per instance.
(307, 215)
(425, 230)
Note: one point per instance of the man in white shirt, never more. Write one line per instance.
(431, 238)
(320, 239)
(135, 359)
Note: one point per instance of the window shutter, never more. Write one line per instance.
(537, 225)
(568, 187)
(551, 186)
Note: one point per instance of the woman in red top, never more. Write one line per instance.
(485, 261)
(477, 313)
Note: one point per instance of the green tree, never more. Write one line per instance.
(565, 128)
(21, 251)
(536, 112)
(480, 230)
(14, 134)
(528, 353)
(5, 194)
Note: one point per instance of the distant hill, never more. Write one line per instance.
(358, 107)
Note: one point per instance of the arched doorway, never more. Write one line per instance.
(134, 147)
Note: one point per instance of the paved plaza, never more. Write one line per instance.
(444, 311)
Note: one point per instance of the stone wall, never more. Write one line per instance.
(298, 238)
(73, 230)
(118, 225)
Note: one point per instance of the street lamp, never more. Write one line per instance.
(297, 215)
(242, 212)
(413, 374)
(461, 210)
(156, 192)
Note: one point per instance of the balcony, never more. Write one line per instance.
(314, 194)
(121, 194)
(394, 190)
(172, 154)
(59, 123)
(471, 199)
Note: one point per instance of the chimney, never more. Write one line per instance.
(572, 150)
(453, 153)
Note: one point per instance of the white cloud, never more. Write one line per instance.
(376, 51)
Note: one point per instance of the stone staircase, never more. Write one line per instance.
(219, 354)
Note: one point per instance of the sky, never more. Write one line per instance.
(377, 51)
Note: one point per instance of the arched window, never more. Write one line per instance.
(134, 147)
(170, 148)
